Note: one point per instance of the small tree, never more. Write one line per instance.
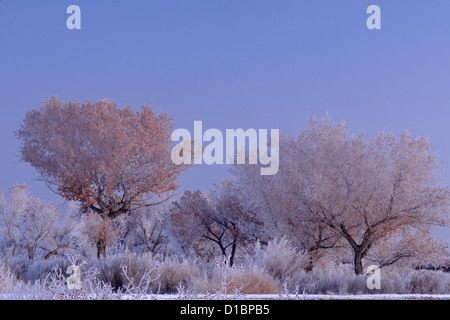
(217, 217)
(145, 230)
(112, 160)
(29, 225)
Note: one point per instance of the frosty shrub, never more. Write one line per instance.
(18, 266)
(54, 286)
(428, 282)
(173, 272)
(166, 274)
(28, 270)
(328, 281)
(255, 281)
(279, 258)
(110, 271)
(226, 279)
(135, 267)
(128, 270)
(40, 269)
(342, 280)
(7, 278)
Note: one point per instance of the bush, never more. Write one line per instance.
(39, 269)
(7, 279)
(327, 281)
(255, 281)
(241, 280)
(110, 271)
(278, 259)
(174, 272)
(167, 274)
(428, 282)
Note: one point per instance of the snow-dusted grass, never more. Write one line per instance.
(145, 276)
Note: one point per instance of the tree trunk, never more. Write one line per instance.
(101, 248)
(359, 250)
(358, 263)
(310, 265)
(233, 251)
(223, 249)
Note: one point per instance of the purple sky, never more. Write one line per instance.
(230, 63)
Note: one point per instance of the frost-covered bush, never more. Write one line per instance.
(18, 266)
(31, 226)
(167, 274)
(7, 278)
(136, 266)
(54, 286)
(127, 269)
(28, 270)
(40, 269)
(225, 279)
(428, 282)
(327, 281)
(279, 259)
(342, 280)
(110, 271)
(173, 272)
(255, 281)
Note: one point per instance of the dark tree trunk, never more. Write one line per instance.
(310, 265)
(360, 250)
(358, 263)
(233, 251)
(101, 248)
(223, 249)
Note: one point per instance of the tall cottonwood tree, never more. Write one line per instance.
(110, 159)
(369, 190)
(369, 195)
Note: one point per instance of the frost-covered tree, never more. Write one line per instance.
(359, 193)
(217, 217)
(273, 201)
(144, 231)
(112, 160)
(369, 190)
(29, 225)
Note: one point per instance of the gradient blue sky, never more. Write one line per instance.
(247, 63)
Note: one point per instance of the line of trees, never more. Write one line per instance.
(335, 195)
